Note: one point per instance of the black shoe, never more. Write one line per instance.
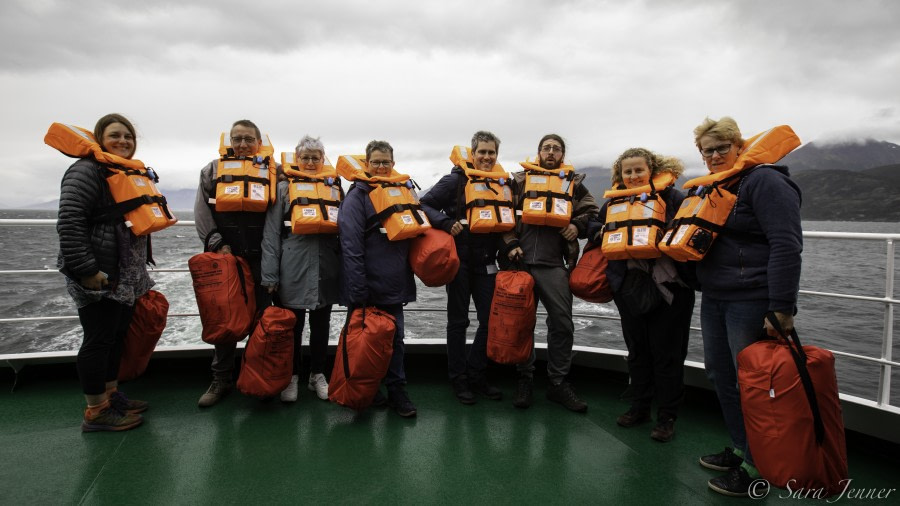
(564, 395)
(483, 388)
(399, 400)
(524, 393)
(379, 401)
(633, 417)
(664, 430)
(462, 391)
(737, 483)
(723, 461)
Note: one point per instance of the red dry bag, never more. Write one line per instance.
(223, 286)
(363, 356)
(513, 316)
(147, 324)
(789, 396)
(588, 279)
(433, 257)
(269, 358)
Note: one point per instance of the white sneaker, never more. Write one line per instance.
(289, 394)
(319, 385)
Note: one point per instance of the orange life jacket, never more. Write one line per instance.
(547, 196)
(314, 198)
(362, 358)
(703, 213)
(147, 324)
(512, 319)
(223, 285)
(433, 257)
(488, 196)
(245, 183)
(131, 185)
(269, 357)
(395, 201)
(636, 219)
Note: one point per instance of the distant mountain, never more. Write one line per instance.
(179, 200)
(843, 195)
(852, 156)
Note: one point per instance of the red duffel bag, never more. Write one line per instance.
(363, 356)
(147, 324)
(269, 357)
(223, 286)
(433, 257)
(588, 279)
(789, 396)
(513, 316)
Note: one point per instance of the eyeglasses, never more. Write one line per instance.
(380, 163)
(310, 159)
(236, 141)
(722, 149)
(551, 148)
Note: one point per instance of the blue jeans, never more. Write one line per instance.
(728, 328)
(470, 282)
(396, 375)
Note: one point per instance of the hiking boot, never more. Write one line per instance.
(123, 404)
(110, 419)
(633, 417)
(723, 461)
(399, 400)
(289, 394)
(218, 389)
(379, 401)
(319, 385)
(664, 430)
(564, 395)
(482, 387)
(737, 483)
(461, 390)
(524, 393)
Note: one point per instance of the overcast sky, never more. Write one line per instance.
(426, 75)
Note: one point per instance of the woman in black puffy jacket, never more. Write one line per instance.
(105, 268)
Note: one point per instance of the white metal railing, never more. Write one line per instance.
(885, 362)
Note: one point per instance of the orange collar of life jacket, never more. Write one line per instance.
(78, 142)
(353, 168)
(658, 183)
(291, 169)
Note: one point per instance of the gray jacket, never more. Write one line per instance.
(306, 268)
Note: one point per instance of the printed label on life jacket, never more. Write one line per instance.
(506, 215)
(407, 219)
(640, 236)
(507, 193)
(537, 205)
(394, 192)
(680, 234)
(332, 213)
(257, 192)
(480, 187)
(648, 209)
(614, 238)
(539, 179)
(335, 193)
(232, 165)
(156, 212)
(424, 217)
(232, 190)
(485, 214)
(560, 207)
(309, 212)
(618, 208)
(305, 187)
(139, 181)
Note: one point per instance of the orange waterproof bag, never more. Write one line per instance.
(147, 324)
(433, 257)
(363, 356)
(513, 316)
(223, 286)
(588, 279)
(792, 413)
(269, 358)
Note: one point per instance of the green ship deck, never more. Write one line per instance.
(246, 451)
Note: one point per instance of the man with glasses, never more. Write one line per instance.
(548, 254)
(236, 232)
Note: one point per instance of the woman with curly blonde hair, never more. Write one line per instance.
(655, 299)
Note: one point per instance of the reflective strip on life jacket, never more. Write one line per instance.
(131, 184)
(547, 196)
(314, 198)
(488, 196)
(244, 183)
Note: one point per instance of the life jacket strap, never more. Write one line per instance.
(119, 209)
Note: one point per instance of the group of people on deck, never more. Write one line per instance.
(740, 280)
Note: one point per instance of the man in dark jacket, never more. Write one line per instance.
(445, 206)
(376, 271)
(239, 233)
(548, 253)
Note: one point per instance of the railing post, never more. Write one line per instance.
(887, 341)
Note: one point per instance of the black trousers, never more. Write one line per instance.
(319, 326)
(105, 324)
(657, 347)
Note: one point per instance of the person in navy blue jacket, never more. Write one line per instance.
(376, 271)
(445, 206)
(752, 268)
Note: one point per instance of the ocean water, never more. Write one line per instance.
(847, 267)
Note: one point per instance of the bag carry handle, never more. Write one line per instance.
(800, 359)
(343, 342)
